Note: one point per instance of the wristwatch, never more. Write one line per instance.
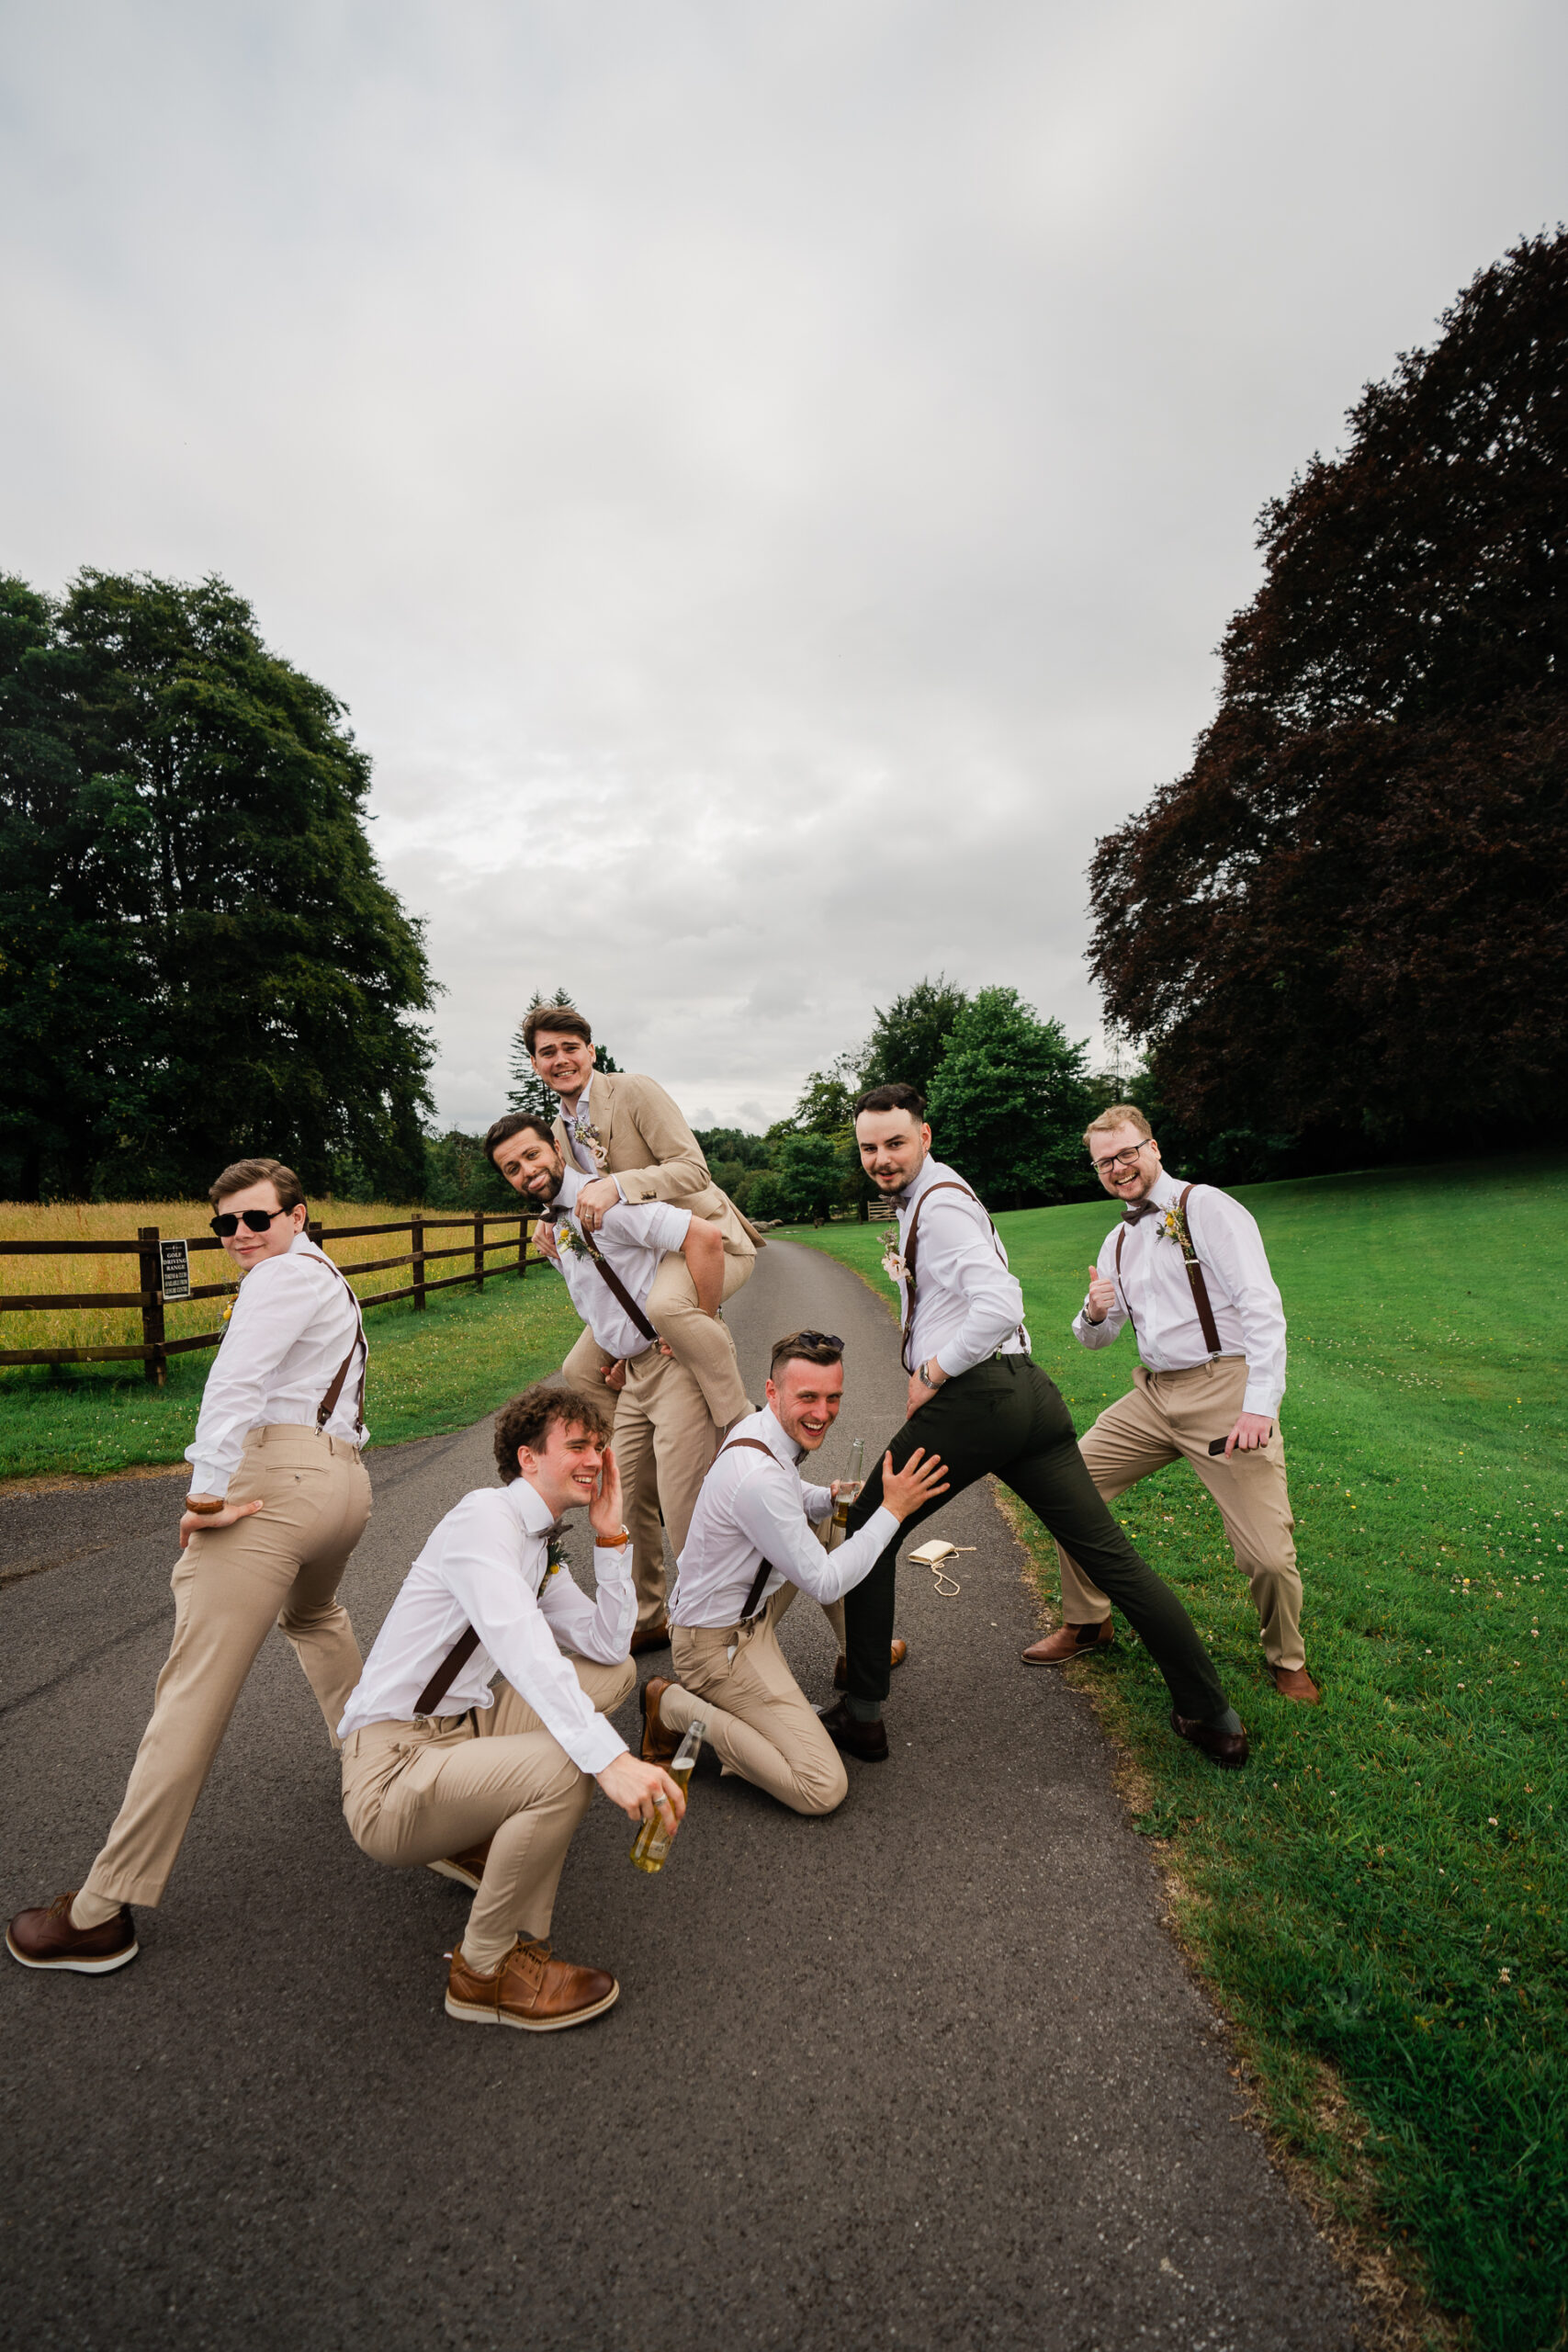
(926, 1379)
(613, 1542)
(204, 1509)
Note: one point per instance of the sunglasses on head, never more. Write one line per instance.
(229, 1222)
(821, 1340)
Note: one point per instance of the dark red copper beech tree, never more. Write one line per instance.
(1350, 917)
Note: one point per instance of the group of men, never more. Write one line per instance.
(472, 1733)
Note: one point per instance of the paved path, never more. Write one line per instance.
(927, 2073)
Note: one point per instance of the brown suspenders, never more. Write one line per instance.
(947, 1184)
(755, 1445)
(1194, 1274)
(446, 1674)
(620, 1290)
(328, 1405)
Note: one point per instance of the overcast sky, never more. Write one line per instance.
(767, 481)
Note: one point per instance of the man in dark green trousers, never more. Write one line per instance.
(978, 1401)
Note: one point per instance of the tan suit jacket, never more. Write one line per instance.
(647, 1144)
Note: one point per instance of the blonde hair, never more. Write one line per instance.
(1118, 1115)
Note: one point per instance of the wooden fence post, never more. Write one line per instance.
(522, 1248)
(156, 1363)
(313, 1230)
(479, 1248)
(417, 1230)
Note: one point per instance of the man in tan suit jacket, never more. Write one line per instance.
(627, 1136)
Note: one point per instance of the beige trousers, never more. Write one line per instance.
(1173, 1415)
(759, 1720)
(281, 1566)
(415, 1793)
(664, 1442)
(700, 1342)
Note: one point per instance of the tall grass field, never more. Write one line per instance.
(430, 1372)
(1380, 1898)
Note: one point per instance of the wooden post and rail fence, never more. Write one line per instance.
(147, 1248)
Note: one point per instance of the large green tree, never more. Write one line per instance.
(198, 958)
(1348, 923)
(1009, 1102)
(909, 1040)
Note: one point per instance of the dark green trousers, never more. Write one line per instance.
(1005, 1416)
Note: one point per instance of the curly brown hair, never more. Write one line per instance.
(529, 1419)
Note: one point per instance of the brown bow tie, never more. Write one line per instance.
(1144, 1209)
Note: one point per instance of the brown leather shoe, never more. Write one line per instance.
(529, 1990)
(1069, 1642)
(1295, 1682)
(1229, 1748)
(868, 1741)
(659, 1742)
(467, 1869)
(652, 1637)
(896, 1657)
(46, 1939)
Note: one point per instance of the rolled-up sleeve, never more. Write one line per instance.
(970, 1262)
(1228, 1235)
(495, 1594)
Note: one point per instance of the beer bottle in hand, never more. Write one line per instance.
(655, 1838)
(849, 1486)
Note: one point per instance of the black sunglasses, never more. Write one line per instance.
(254, 1220)
(822, 1339)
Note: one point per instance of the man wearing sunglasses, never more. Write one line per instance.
(1186, 1266)
(750, 1551)
(977, 1399)
(279, 1500)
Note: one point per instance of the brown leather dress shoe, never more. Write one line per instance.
(868, 1741)
(46, 1939)
(659, 1742)
(529, 1990)
(467, 1869)
(896, 1657)
(1069, 1642)
(1229, 1748)
(1295, 1682)
(652, 1637)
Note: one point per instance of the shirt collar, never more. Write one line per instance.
(931, 1172)
(571, 1117)
(776, 1438)
(529, 1506)
(1166, 1190)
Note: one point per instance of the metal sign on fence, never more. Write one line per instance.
(174, 1274)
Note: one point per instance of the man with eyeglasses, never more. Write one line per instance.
(1186, 1266)
(279, 1500)
(977, 1399)
(750, 1551)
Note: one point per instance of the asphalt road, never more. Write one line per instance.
(927, 2072)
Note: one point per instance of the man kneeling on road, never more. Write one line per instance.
(750, 1550)
(487, 1785)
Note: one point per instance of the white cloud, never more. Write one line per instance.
(767, 481)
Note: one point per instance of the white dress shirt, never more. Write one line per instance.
(488, 1565)
(291, 1327)
(633, 1238)
(1155, 1293)
(750, 1510)
(969, 1304)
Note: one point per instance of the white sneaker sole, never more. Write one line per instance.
(460, 1877)
(76, 1967)
(467, 2015)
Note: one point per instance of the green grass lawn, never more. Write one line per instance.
(429, 1373)
(1384, 1888)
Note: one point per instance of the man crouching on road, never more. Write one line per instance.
(486, 1785)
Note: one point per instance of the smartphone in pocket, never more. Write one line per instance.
(1216, 1445)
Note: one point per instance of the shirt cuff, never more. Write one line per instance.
(1264, 1400)
(1087, 1333)
(206, 1478)
(598, 1746)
